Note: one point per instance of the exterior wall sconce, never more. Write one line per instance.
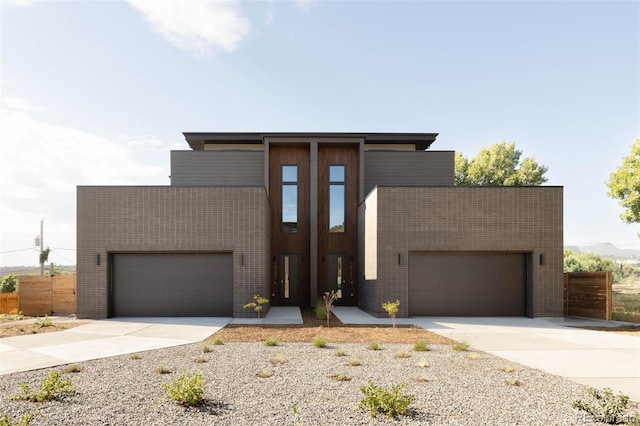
(541, 259)
(98, 259)
(241, 259)
(399, 258)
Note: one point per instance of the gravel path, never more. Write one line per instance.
(461, 388)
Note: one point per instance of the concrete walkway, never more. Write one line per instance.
(594, 358)
(101, 339)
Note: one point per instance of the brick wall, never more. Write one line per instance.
(170, 219)
(473, 219)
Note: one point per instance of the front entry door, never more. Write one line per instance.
(288, 287)
(339, 277)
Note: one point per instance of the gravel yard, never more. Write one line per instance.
(457, 388)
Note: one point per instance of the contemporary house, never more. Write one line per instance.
(289, 216)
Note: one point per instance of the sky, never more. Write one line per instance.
(99, 92)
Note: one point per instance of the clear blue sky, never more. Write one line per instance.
(98, 92)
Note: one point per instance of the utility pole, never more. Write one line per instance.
(41, 246)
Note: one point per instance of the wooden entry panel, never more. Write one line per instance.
(345, 242)
(296, 243)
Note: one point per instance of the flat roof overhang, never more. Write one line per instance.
(197, 140)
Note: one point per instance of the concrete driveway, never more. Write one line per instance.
(101, 339)
(595, 358)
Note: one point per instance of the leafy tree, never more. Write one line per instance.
(44, 255)
(624, 185)
(9, 284)
(499, 165)
(589, 262)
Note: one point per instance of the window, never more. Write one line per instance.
(290, 199)
(336, 198)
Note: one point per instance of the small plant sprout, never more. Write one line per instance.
(374, 346)
(72, 368)
(329, 298)
(206, 349)
(403, 354)
(270, 341)
(423, 363)
(256, 304)
(24, 420)
(186, 389)
(508, 369)
(388, 401)
(420, 346)
(44, 322)
(341, 352)
(515, 382)
(201, 360)
(264, 374)
(354, 362)
(460, 346)
(164, 370)
(319, 341)
(340, 378)
(135, 356)
(217, 341)
(392, 309)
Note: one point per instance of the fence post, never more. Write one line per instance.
(566, 294)
(609, 295)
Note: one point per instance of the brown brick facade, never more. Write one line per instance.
(170, 219)
(462, 219)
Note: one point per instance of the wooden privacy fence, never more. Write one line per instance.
(9, 303)
(38, 295)
(588, 294)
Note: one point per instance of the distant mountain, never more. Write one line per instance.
(604, 249)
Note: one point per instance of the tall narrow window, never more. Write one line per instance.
(336, 198)
(290, 199)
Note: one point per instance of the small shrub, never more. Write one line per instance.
(9, 283)
(388, 401)
(423, 363)
(392, 309)
(605, 406)
(24, 420)
(340, 378)
(206, 349)
(217, 341)
(256, 304)
(515, 382)
(49, 388)
(460, 346)
(403, 354)
(44, 322)
(164, 370)
(72, 368)
(201, 360)
(341, 352)
(374, 346)
(186, 389)
(420, 346)
(270, 341)
(319, 341)
(354, 362)
(278, 360)
(321, 312)
(264, 374)
(508, 369)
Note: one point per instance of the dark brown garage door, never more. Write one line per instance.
(172, 285)
(467, 284)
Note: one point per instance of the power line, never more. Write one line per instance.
(13, 251)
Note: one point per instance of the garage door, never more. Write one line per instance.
(467, 284)
(172, 284)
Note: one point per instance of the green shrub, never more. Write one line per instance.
(460, 346)
(256, 304)
(319, 341)
(206, 349)
(44, 322)
(341, 352)
(388, 401)
(186, 389)
(321, 312)
(201, 360)
(271, 341)
(403, 354)
(25, 420)
(49, 388)
(420, 346)
(374, 346)
(354, 362)
(217, 341)
(164, 370)
(9, 283)
(605, 406)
